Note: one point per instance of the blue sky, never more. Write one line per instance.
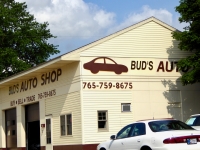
(124, 7)
(80, 22)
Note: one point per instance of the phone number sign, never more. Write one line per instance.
(107, 85)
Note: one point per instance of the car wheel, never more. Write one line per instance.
(94, 71)
(118, 72)
(145, 148)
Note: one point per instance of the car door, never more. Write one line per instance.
(118, 143)
(136, 136)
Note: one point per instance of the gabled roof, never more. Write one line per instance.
(74, 55)
(77, 51)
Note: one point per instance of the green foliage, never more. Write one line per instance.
(189, 40)
(23, 41)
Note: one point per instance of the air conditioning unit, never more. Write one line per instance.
(126, 107)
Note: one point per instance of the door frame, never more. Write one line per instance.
(49, 146)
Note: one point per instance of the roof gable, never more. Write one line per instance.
(76, 53)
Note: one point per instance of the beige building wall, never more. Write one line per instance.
(68, 101)
(149, 99)
(104, 100)
(61, 105)
(64, 98)
(157, 90)
(146, 40)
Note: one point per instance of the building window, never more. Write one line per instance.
(62, 125)
(48, 131)
(66, 124)
(102, 120)
(69, 124)
(126, 107)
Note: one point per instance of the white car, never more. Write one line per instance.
(159, 134)
(194, 121)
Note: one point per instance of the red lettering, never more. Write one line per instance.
(161, 66)
(169, 70)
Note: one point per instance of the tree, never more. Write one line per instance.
(23, 41)
(189, 40)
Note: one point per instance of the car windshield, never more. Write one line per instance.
(193, 121)
(166, 125)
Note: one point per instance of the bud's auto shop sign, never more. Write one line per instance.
(163, 66)
(31, 83)
(130, 66)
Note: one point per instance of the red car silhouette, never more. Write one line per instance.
(95, 67)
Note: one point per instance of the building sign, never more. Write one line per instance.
(105, 65)
(112, 85)
(33, 98)
(141, 65)
(31, 83)
(131, 66)
(163, 66)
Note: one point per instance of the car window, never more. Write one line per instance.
(108, 61)
(191, 121)
(124, 133)
(197, 121)
(100, 60)
(138, 129)
(166, 125)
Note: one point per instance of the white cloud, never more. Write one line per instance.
(36, 4)
(71, 18)
(161, 14)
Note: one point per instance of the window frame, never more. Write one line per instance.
(106, 128)
(66, 124)
(122, 104)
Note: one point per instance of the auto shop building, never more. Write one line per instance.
(79, 99)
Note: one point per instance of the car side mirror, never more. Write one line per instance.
(112, 137)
